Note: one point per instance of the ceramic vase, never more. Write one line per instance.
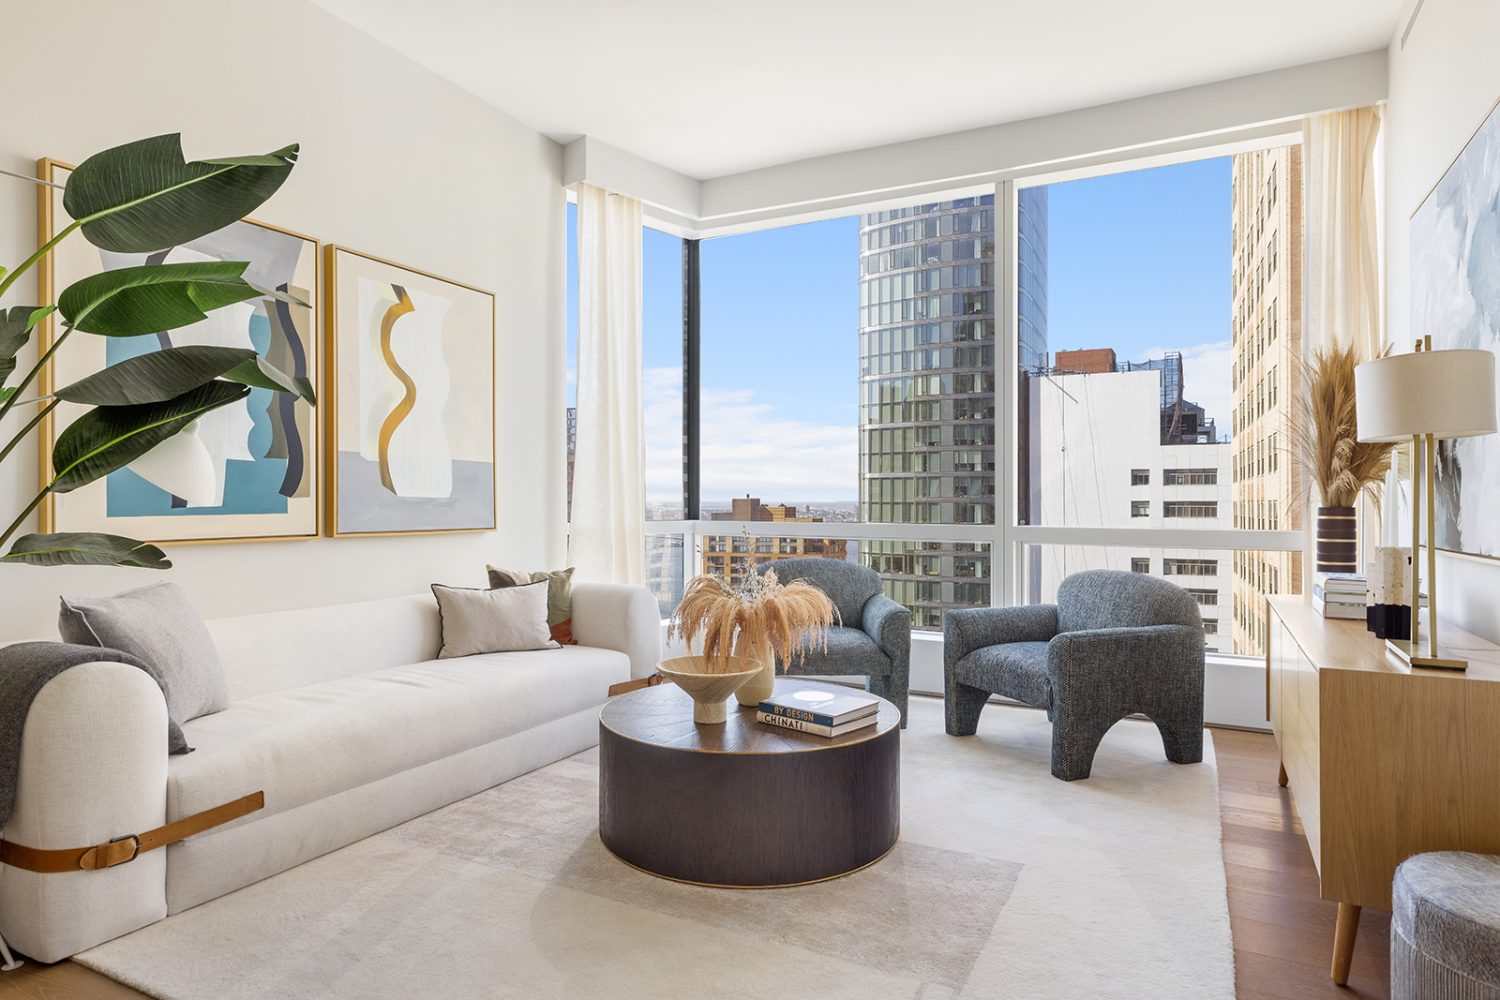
(1336, 540)
(761, 686)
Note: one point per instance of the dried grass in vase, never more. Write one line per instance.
(1339, 463)
(772, 616)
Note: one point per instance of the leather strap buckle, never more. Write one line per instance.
(120, 851)
(123, 850)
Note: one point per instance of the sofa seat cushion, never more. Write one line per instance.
(850, 651)
(1013, 670)
(304, 744)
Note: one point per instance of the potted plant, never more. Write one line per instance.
(142, 197)
(762, 620)
(1340, 464)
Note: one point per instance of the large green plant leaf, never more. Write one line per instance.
(111, 437)
(133, 301)
(85, 548)
(16, 324)
(259, 372)
(142, 197)
(163, 375)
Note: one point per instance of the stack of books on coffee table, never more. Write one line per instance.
(820, 712)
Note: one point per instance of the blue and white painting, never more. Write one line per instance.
(1455, 274)
(247, 470)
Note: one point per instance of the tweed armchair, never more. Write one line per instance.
(1114, 644)
(873, 636)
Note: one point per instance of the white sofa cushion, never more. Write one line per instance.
(304, 744)
(290, 649)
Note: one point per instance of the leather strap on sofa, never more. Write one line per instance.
(642, 682)
(123, 849)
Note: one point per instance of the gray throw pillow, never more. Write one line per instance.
(493, 621)
(159, 625)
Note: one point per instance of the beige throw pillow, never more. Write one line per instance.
(559, 596)
(493, 621)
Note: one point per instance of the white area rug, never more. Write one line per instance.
(1006, 883)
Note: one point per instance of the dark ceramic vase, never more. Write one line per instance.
(1336, 540)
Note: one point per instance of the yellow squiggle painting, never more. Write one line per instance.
(401, 308)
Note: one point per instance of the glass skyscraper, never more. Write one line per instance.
(927, 387)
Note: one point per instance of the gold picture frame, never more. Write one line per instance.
(410, 444)
(123, 503)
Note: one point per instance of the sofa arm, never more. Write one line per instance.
(889, 624)
(93, 767)
(969, 629)
(1107, 660)
(619, 616)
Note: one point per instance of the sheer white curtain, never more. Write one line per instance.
(607, 540)
(1341, 286)
(1341, 293)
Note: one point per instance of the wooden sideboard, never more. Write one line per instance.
(1383, 761)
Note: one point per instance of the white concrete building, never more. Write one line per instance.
(1103, 465)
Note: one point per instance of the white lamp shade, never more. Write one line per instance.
(1448, 394)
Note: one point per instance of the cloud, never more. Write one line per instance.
(1205, 378)
(745, 447)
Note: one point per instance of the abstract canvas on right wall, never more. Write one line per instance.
(1455, 299)
(411, 415)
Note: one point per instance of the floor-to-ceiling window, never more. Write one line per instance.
(977, 396)
(1167, 405)
(927, 435)
(779, 384)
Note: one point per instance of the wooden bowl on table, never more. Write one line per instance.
(708, 684)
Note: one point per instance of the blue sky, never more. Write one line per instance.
(1140, 262)
(1137, 261)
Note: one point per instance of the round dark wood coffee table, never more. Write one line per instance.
(744, 804)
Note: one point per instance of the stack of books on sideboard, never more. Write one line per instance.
(820, 712)
(1340, 595)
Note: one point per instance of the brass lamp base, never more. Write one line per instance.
(1413, 653)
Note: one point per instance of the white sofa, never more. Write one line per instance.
(342, 715)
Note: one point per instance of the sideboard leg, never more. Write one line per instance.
(1281, 778)
(1343, 942)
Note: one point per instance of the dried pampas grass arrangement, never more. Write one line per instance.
(1340, 464)
(775, 617)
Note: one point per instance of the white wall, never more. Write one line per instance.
(1442, 85)
(395, 162)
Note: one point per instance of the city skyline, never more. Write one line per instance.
(1138, 262)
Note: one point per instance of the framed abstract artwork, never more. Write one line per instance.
(411, 400)
(1455, 299)
(264, 450)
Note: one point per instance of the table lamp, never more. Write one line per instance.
(1425, 396)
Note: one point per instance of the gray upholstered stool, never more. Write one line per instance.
(1445, 928)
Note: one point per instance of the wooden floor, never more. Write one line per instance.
(1283, 933)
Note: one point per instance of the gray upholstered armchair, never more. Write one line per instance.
(874, 637)
(1113, 644)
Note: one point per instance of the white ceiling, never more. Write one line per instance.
(714, 87)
